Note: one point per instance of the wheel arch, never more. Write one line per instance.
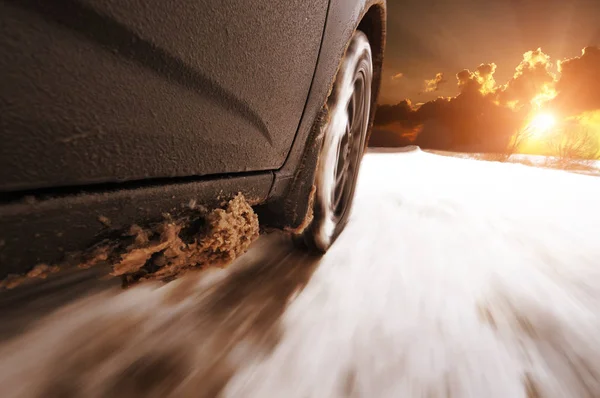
(290, 199)
(373, 24)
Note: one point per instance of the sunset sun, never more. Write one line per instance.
(542, 122)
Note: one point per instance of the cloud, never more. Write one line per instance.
(578, 88)
(400, 112)
(471, 121)
(482, 80)
(532, 79)
(435, 83)
(398, 76)
(484, 115)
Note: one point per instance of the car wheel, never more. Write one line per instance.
(344, 136)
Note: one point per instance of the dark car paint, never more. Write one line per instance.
(57, 221)
(190, 88)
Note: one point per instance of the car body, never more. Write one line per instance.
(123, 110)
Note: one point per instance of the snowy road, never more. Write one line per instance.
(454, 278)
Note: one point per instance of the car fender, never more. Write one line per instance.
(290, 195)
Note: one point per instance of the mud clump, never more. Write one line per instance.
(40, 271)
(166, 249)
(531, 388)
(214, 238)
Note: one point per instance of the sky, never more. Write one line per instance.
(426, 37)
(471, 74)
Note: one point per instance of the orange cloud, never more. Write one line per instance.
(484, 115)
(398, 76)
(435, 83)
(532, 83)
(482, 80)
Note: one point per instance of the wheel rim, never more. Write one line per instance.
(350, 149)
(343, 142)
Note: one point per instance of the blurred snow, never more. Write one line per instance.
(454, 277)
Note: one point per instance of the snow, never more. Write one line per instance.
(587, 167)
(454, 277)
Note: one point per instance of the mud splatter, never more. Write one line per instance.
(486, 316)
(104, 221)
(42, 271)
(308, 218)
(174, 247)
(164, 250)
(12, 281)
(531, 388)
(96, 256)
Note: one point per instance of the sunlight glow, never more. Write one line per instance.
(542, 122)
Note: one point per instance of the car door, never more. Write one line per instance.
(119, 90)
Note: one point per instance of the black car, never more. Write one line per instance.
(127, 109)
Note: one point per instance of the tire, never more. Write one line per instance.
(344, 142)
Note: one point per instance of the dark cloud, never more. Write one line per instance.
(402, 112)
(471, 121)
(578, 88)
